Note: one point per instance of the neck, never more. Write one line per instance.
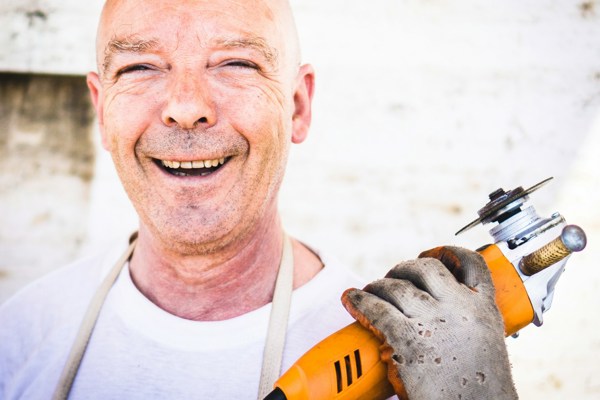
(217, 285)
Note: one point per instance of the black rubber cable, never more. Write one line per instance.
(276, 394)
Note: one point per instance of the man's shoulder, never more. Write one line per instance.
(58, 294)
(335, 272)
(320, 297)
(38, 324)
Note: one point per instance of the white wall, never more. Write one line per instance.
(422, 108)
(48, 36)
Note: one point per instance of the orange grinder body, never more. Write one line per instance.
(346, 365)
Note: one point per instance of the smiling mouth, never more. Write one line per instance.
(192, 168)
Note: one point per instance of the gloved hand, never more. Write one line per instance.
(442, 339)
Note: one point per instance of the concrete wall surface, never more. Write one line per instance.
(46, 168)
(48, 36)
(422, 108)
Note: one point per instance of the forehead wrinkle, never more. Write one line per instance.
(128, 44)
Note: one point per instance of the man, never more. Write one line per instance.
(198, 103)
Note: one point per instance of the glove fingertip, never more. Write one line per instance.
(449, 258)
(432, 253)
(468, 267)
(353, 302)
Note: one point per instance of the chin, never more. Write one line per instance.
(195, 237)
(195, 230)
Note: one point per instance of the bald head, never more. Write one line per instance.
(265, 25)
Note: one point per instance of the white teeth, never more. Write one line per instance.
(194, 164)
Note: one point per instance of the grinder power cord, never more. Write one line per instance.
(525, 261)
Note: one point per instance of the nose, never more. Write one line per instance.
(189, 103)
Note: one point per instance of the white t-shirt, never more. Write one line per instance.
(139, 351)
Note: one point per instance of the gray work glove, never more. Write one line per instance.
(442, 339)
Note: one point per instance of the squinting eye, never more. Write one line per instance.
(133, 68)
(241, 64)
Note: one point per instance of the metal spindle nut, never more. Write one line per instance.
(571, 239)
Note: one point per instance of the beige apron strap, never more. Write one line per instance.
(278, 321)
(67, 376)
(273, 352)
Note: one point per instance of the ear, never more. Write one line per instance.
(305, 85)
(95, 87)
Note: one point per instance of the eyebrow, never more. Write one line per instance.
(129, 44)
(134, 44)
(256, 43)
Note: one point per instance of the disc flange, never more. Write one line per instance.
(499, 200)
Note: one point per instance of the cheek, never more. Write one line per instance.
(127, 114)
(264, 120)
(263, 126)
(261, 113)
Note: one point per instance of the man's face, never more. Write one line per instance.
(197, 103)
